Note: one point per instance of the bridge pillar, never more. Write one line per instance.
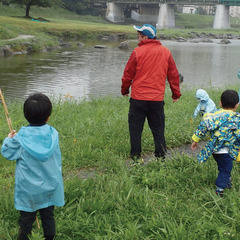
(114, 12)
(166, 17)
(221, 19)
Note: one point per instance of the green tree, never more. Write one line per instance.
(5, 2)
(28, 3)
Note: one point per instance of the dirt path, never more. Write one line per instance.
(182, 150)
(186, 150)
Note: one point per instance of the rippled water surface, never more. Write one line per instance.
(90, 71)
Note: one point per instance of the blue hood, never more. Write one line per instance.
(202, 95)
(39, 142)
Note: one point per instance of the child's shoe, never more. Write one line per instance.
(219, 191)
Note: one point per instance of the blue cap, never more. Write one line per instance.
(148, 30)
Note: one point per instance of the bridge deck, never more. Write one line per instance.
(179, 2)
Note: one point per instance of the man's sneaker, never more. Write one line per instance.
(219, 191)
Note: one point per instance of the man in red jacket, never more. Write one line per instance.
(146, 72)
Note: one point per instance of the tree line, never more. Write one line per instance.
(73, 5)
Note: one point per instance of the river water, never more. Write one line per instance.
(88, 71)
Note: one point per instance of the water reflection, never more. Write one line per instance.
(207, 64)
(90, 71)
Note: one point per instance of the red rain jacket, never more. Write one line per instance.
(146, 72)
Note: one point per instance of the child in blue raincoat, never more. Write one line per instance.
(38, 173)
(224, 142)
(206, 104)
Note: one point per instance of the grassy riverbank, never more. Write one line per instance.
(174, 199)
(70, 26)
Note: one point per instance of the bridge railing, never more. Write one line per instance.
(230, 2)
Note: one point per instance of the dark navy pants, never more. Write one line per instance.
(154, 112)
(27, 219)
(225, 163)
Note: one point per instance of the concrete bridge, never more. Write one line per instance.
(162, 11)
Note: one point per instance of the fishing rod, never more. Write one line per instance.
(6, 111)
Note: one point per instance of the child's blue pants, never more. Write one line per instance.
(225, 163)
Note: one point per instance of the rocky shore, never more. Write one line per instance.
(26, 42)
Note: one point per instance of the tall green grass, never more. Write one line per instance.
(174, 199)
(98, 128)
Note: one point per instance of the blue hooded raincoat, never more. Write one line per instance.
(38, 174)
(206, 104)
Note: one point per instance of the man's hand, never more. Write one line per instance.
(125, 92)
(194, 146)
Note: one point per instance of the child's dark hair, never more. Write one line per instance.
(37, 108)
(229, 99)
